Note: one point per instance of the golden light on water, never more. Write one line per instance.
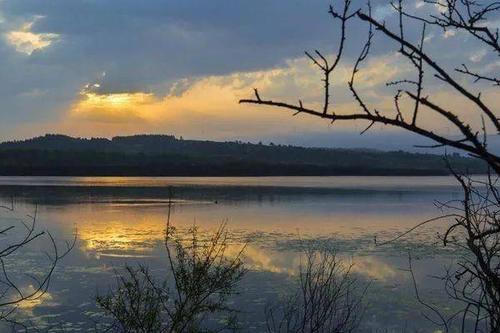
(121, 237)
(135, 237)
(38, 298)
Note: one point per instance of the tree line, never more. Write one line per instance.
(160, 155)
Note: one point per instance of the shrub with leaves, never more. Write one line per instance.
(202, 278)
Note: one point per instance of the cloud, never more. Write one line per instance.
(211, 103)
(181, 66)
(143, 44)
(25, 41)
(449, 33)
(121, 107)
(428, 38)
(441, 6)
(419, 4)
(208, 102)
(478, 55)
(207, 106)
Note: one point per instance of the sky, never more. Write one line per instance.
(119, 67)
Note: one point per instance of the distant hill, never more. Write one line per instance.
(165, 155)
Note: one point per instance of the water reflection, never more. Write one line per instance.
(123, 220)
(38, 299)
(337, 182)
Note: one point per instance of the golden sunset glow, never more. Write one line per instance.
(120, 107)
(210, 104)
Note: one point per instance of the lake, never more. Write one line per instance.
(122, 220)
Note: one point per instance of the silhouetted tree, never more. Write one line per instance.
(475, 226)
(461, 15)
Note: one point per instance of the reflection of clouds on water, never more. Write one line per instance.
(375, 268)
(273, 252)
(127, 226)
(120, 237)
(264, 259)
(27, 308)
(38, 298)
(87, 270)
(258, 258)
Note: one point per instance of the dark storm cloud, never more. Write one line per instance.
(141, 43)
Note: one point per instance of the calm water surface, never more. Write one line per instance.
(122, 220)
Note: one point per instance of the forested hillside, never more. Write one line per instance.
(163, 155)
